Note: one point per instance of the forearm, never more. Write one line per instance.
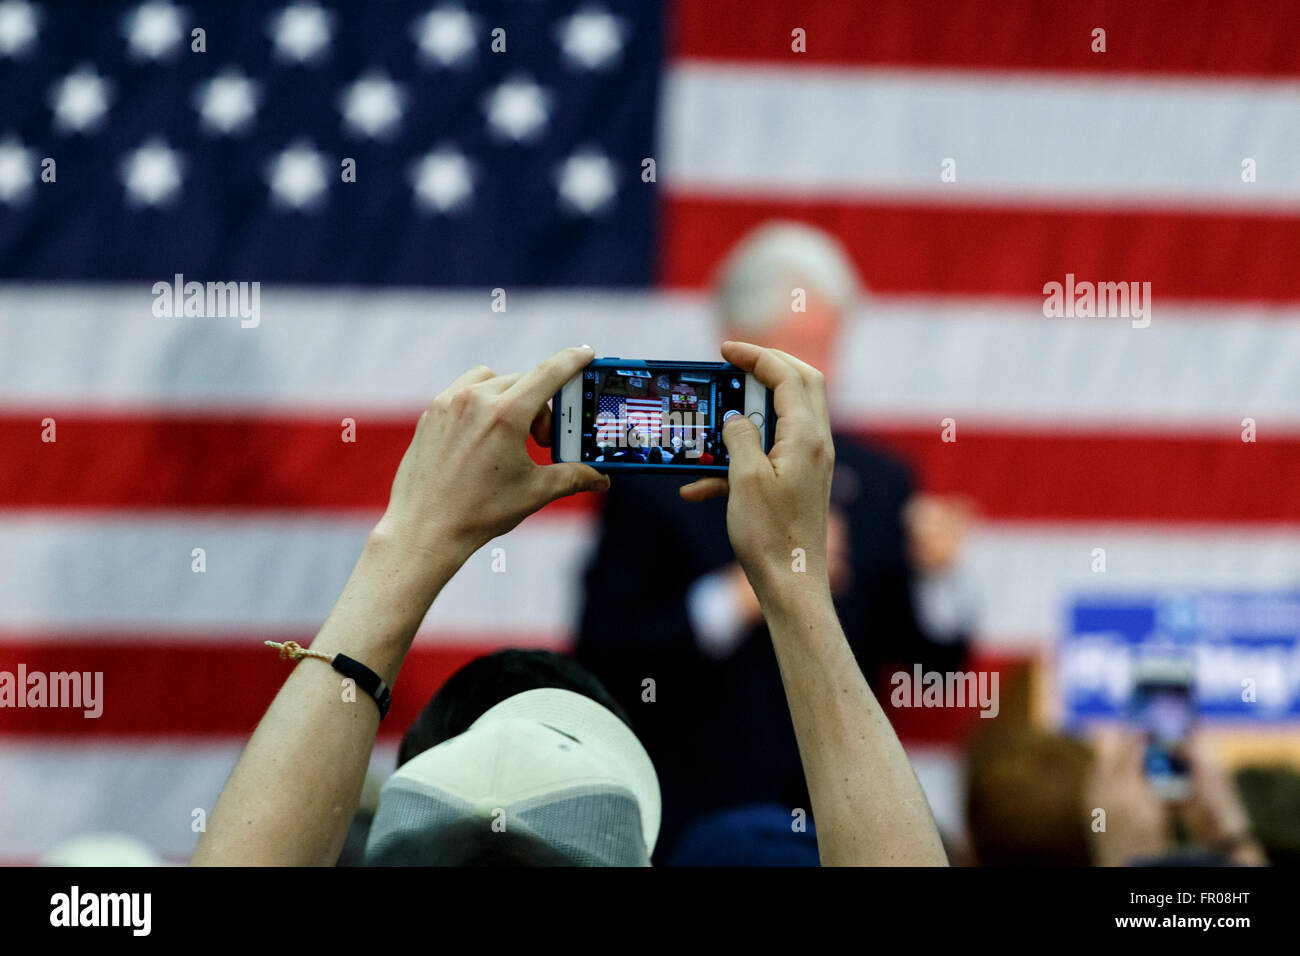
(869, 807)
(291, 797)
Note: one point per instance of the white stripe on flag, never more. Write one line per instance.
(1017, 138)
(905, 359)
(134, 573)
(56, 790)
(66, 573)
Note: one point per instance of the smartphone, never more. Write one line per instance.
(1163, 706)
(625, 415)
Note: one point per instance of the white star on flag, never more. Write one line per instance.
(153, 31)
(443, 180)
(227, 102)
(517, 109)
(445, 35)
(301, 32)
(372, 106)
(152, 174)
(80, 101)
(591, 38)
(16, 175)
(297, 176)
(585, 182)
(19, 21)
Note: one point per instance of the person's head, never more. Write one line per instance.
(756, 291)
(521, 758)
(488, 680)
(1024, 798)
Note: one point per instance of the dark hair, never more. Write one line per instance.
(1271, 795)
(470, 842)
(486, 681)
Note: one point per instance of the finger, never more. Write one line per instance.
(790, 398)
(1199, 754)
(702, 489)
(569, 478)
(1131, 755)
(532, 391)
(1107, 746)
(744, 447)
(767, 365)
(499, 383)
(807, 372)
(814, 381)
(479, 373)
(541, 427)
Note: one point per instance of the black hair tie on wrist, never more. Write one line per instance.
(364, 677)
(367, 680)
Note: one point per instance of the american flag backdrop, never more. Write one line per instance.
(615, 414)
(421, 187)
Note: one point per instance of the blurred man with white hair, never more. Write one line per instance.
(667, 601)
(761, 283)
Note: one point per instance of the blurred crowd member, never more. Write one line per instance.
(1024, 798)
(1271, 796)
(763, 834)
(1140, 825)
(666, 600)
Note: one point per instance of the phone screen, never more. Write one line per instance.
(1165, 711)
(657, 416)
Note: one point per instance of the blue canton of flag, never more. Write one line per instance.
(493, 144)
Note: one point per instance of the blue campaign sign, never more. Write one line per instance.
(1242, 648)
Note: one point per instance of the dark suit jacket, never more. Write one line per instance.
(719, 731)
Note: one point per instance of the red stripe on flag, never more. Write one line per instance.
(903, 247)
(1017, 475)
(248, 464)
(1155, 36)
(221, 689)
(217, 687)
(204, 461)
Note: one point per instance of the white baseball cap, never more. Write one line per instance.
(548, 776)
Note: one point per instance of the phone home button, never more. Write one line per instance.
(756, 418)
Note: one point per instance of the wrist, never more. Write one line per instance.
(792, 597)
(410, 564)
(384, 601)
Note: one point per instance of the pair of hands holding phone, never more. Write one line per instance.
(1138, 819)
(467, 477)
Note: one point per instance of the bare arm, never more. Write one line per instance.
(869, 807)
(465, 479)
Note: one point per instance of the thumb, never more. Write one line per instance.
(743, 444)
(568, 478)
